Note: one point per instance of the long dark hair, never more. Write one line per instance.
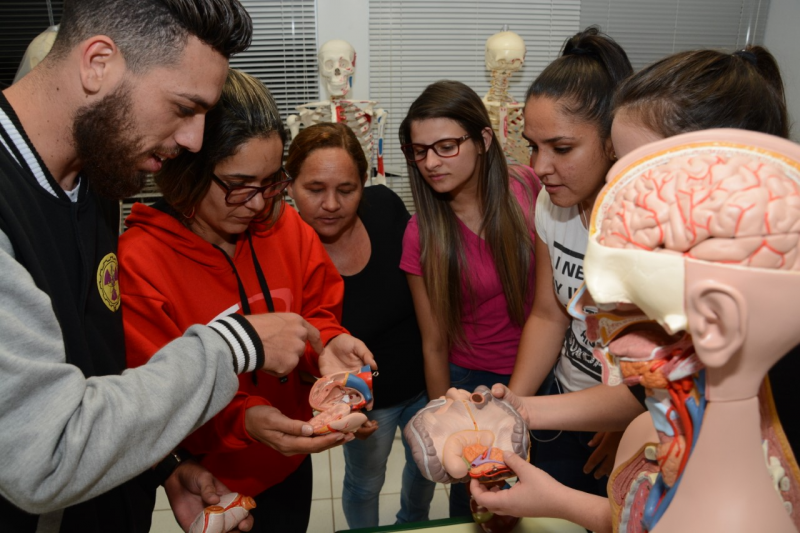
(245, 111)
(503, 222)
(702, 89)
(583, 79)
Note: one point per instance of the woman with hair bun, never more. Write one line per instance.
(568, 125)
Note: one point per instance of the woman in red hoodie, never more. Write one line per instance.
(220, 242)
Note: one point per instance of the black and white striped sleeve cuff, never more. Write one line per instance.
(243, 340)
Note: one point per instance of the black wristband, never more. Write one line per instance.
(167, 466)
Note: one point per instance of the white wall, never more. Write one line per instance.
(348, 20)
(782, 40)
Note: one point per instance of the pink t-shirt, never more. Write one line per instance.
(492, 335)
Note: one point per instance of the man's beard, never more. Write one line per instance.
(108, 146)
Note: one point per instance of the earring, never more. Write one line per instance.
(190, 215)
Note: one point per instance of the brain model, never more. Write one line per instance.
(462, 435)
(336, 400)
(724, 207)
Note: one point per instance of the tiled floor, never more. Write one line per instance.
(326, 508)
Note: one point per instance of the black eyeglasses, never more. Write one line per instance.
(241, 194)
(442, 148)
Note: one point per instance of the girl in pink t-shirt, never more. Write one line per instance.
(468, 251)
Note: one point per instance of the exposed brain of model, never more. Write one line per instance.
(726, 205)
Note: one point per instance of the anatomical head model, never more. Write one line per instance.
(693, 265)
(337, 64)
(505, 54)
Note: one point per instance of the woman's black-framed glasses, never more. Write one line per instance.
(443, 148)
(241, 194)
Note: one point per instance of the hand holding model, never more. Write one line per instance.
(337, 399)
(225, 516)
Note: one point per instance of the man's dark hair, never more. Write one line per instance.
(154, 32)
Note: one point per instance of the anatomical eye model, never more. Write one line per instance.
(337, 400)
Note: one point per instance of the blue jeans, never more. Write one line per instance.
(365, 470)
(464, 378)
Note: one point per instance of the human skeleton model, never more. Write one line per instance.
(36, 51)
(337, 64)
(699, 237)
(505, 54)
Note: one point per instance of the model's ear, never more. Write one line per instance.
(487, 134)
(290, 189)
(717, 317)
(101, 63)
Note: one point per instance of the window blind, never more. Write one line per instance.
(414, 43)
(20, 22)
(284, 51)
(651, 29)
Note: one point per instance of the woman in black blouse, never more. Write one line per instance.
(362, 230)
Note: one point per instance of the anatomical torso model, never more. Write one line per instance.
(337, 64)
(462, 436)
(693, 270)
(505, 54)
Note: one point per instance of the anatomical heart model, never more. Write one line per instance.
(462, 436)
(337, 399)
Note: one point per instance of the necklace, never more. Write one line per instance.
(584, 221)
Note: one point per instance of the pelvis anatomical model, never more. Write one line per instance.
(336, 400)
(462, 435)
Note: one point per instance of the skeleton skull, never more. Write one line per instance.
(505, 51)
(337, 64)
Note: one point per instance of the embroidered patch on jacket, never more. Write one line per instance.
(108, 281)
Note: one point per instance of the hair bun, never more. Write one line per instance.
(748, 56)
(578, 51)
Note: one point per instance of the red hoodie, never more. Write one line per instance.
(171, 278)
